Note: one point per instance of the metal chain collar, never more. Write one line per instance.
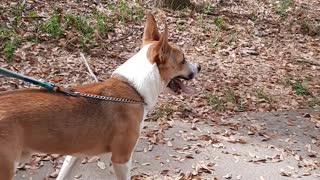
(105, 98)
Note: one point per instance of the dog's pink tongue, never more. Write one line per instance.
(186, 89)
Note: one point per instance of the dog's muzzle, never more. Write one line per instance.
(177, 86)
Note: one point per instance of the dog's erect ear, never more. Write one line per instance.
(151, 32)
(162, 46)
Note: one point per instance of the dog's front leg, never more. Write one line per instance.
(122, 171)
(122, 149)
(69, 164)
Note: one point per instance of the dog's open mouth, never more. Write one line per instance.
(177, 86)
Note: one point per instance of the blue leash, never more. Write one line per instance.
(68, 92)
(44, 84)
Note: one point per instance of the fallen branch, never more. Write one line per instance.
(310, 62)
(88, 67)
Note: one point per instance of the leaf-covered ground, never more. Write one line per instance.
(256, 55)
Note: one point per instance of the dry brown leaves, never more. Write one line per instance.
(250, 62)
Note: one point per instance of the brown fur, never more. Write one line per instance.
(38, 120)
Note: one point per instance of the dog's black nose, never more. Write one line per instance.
(199, 68)
(191, 75)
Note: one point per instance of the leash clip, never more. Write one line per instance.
(71, 92)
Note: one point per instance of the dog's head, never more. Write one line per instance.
(170, 60)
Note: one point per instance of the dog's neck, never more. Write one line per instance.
(144, 77)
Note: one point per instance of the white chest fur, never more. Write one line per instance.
(144, 76)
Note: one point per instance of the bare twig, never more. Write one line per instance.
(122, 38)
(310, 62)
(88, 67)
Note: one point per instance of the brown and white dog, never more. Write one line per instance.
(36, 120)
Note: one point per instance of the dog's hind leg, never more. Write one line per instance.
(24, 157)
(68, 166)
(6, 168)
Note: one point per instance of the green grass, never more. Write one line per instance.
(309, 27)
(216, 102)
(200, 21)
(125, 13)
(53, 26)
(10, 41)
(281, 7)
(17, 12)
(263, 96)
(181, 27)
(208, 8)
(102, 26)
(299, 88)
(5, 33)
(33, 14)
(230, 96)
(162, 112)
(34, 39)
(214, 42)
(314, 102)
(85, 25)
(219, 21)
(10, 47)
(81, 24)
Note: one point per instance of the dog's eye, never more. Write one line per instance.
(183, 61)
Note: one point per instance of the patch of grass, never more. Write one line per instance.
(281, 7)
(10, 41)
(216, 102)
(5, 33)
(75, 21)
(102, 25)
(125, 12)
(34, 39)
(309, 27)
(286, 81)
(314, 102)
(53, 25)
(208, 8)
(161, 112)
(263, 96)
(33, 14)
(230, 96)
(214, 42)
(181, 27)
(219, 22)
(228, 100)
(299, 88)
(200, 21)
(232, 38)
(17, 12)
(10, 47)
(82, 25)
